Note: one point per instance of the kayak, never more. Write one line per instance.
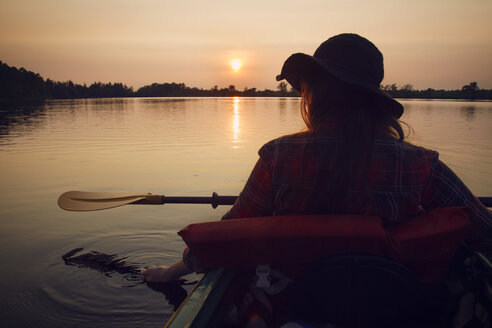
(198, 308)
(362, 269)
(205, 304)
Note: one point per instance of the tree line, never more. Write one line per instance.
(468, 91)
(22, 84)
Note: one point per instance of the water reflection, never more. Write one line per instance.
(165, 103)
(468, 112)
(235, 122)
(282, 108)
(25, 114)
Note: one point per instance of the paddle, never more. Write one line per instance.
(93, 201)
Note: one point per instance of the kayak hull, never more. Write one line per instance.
(202, 307)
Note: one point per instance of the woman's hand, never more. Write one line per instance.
(162, 273)
(156, 273)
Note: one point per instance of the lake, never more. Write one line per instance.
(171, 146)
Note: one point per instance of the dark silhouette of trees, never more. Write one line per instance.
(470, 91)
(22, 84)
(162, 90)
(19, 83)
(249, 92)
(232, 90)
(282, 88)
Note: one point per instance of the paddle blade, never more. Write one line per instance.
(93, 201)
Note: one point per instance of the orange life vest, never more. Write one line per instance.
(424, 244)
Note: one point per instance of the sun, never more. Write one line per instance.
(236, 64)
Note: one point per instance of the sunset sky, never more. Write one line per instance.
(427, 43)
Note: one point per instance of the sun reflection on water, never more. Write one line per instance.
(235, 122)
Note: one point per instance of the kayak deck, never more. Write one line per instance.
(205, 304)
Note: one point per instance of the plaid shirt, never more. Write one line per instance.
(402, 179)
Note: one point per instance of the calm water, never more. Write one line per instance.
(164, 146)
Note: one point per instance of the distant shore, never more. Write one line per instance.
(22, 84)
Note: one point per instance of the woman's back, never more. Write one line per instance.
(392, 187)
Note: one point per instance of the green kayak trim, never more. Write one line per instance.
(197, 309)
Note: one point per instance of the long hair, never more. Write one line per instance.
(353, 115)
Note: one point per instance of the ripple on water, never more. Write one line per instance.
(82, 297)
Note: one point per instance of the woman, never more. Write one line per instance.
(352, 159)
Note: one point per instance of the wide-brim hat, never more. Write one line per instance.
(347, 57)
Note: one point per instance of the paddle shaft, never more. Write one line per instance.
(217, 200)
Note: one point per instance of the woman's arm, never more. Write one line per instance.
(445, 189)
(257, 197)
(161, 273)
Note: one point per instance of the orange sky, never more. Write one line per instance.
(437, 43)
